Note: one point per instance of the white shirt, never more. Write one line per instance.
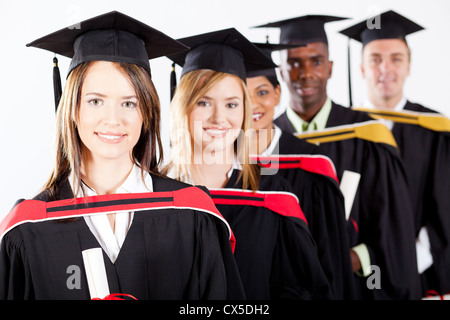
(110, 241)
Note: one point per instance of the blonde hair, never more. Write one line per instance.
(68, 142)
(192, 87)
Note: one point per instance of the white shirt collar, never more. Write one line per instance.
(236, 165)
(188, 177)
(399, 107)
(132, 184)
(274, 143)
(110, 241)
(401, 104)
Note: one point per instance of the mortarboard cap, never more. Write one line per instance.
(267, 48)
(112, 36)
(302, 30)
(390, 25)
(225, 51)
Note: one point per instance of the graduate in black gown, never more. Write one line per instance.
(210, 120)
(422, 136)
(156, 238)
(370, 171)
(310, 173)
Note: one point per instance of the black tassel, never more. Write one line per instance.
(57, 89)
(173, 81)
(350, 100)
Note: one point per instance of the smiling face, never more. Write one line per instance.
(109, 120)
(264, 100)
(385, 67)
(306, 71)
(217, 118)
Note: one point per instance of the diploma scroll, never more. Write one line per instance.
(349, 186)
(96, 272)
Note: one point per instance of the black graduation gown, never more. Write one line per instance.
(426, 155)
(323, 205)
(275, 253)
(381, 215)
(168, 253)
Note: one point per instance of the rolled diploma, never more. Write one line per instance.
(95, 272)
(349, 186)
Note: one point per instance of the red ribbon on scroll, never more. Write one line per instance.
(116, 296)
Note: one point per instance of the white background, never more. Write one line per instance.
(27, 107)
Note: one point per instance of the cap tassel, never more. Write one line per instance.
(173, 81)
(57, 89)
(350, 101)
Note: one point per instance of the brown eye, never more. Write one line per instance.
(262, 93)
(129, 104)
(203, 103)
(95, 102)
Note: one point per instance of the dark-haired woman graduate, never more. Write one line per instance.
(131, 231)
(210, 116)
(311, 174)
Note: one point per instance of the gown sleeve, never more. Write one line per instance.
(218, 274)
(15, 279)
(386, 226)
(323, 206)
(297, 272)
(439, 209)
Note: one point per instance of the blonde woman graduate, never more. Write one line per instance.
(210, 128)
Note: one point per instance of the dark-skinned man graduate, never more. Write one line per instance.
(369, 168)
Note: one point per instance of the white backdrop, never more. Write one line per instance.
(27, 111)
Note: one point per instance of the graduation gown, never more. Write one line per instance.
(426, 154)
(177, 247)
(339, 115)
(381, 215)
(313, 180)
(275, 252)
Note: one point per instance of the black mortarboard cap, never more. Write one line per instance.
(390, 25)
(225, 51)
(267, 48)
(302, 30)
(112, 36)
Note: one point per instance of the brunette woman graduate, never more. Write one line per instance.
(158, 238)
(311, 174)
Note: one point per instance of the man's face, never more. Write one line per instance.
(385, 67)
(306, 71)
